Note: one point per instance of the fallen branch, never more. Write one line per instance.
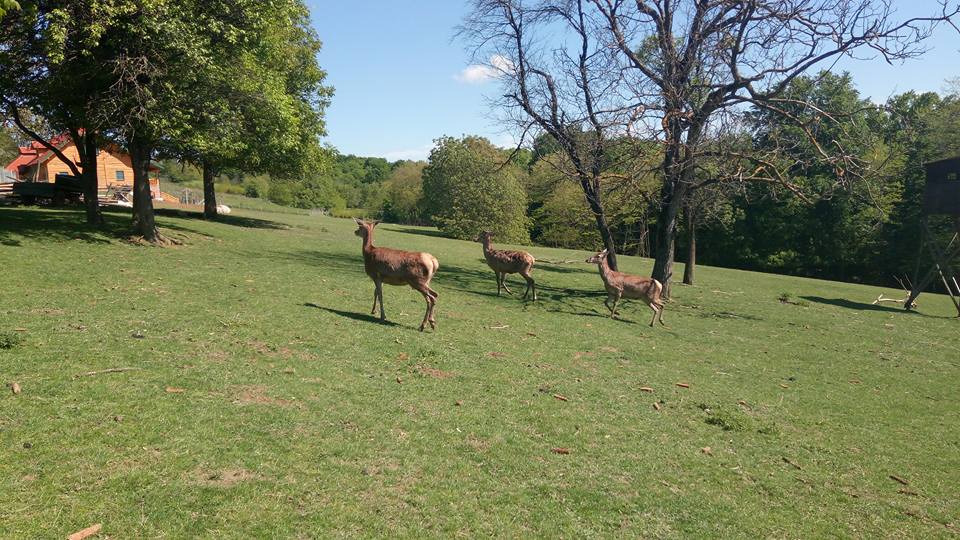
(111, 370)
(791, 463)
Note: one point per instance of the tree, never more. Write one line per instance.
(51, 67)
(562, 92)
(261, 109)
(403, 194)
(683, 72)
(467, 190)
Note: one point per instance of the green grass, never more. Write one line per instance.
(300, 416)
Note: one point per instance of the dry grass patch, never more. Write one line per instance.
(257, 395)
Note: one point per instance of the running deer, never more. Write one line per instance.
(620, 285)
(396, 267)
(508, 262)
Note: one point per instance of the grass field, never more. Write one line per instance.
(266, 402)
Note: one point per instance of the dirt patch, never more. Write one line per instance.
(428, 371)
(477, 444)
(224, 478)
(247, 395)
(286, 353)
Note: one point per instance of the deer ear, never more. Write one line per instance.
(374, 223)
(358, 220)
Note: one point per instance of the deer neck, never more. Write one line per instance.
(487, 246)
(368, 243)
(605, 272)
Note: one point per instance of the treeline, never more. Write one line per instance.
(862, 229)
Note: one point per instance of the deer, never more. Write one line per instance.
(397, 267)
(620, 285)
(504, 262)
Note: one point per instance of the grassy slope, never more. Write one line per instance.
(293, 423)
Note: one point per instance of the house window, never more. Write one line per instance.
(120, 176)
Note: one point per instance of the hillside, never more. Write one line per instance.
(266, 402)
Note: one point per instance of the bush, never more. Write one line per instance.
(402, 195)
(256, 188)
(466, 189)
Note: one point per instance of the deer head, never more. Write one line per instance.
(365, 229)
(484, 236)
(596, 259)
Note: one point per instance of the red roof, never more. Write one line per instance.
(30, 154)
(27, 155)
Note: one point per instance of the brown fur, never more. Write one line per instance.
(620, 285)
(396, 267)
(504, 262)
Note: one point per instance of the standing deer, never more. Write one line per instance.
(508, 262)
(620, 285)
(396, 267)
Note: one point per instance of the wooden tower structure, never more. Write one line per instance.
(941, 197)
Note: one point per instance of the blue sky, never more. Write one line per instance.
(399, 82)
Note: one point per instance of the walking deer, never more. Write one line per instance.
(504, 262)
(620, 285)
(396, 267)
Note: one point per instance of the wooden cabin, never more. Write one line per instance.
(114, 168)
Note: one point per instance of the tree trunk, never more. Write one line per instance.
(593, 200)
(691, 266)
(91, 182)
(209, 192)
(666, 235)
(144, 223)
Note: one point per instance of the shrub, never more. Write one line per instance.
(466, 189)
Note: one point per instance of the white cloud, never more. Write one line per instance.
(415, 154)
(481, 73)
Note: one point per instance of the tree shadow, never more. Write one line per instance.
(413, 230)
(226, 219)
(362, 317)
(554, 267)
(36, 223)
(726, 315)
(862, 306)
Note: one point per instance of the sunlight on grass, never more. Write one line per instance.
(265, 402)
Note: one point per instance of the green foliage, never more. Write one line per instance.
(8, 147)
(467, 189)
(564, 220)
(314, 192)
(8, 5)
(403, 192)
(9, 340)
(256, 187)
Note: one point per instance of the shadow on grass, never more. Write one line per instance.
(413, 230)
(362, 317)
(729, 315)
(41, 223)
(235, 221)
(862, 306)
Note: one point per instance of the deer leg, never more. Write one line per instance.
(376, 296)
(425, 291)
(656, 312)
(530, 284)
(383, 316)
(613, 310)
(499, 282)
(505, 284)
(660, 313)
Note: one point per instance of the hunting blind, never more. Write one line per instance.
(941, 197)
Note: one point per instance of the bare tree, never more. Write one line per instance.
(682, 72)
(568, 89)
